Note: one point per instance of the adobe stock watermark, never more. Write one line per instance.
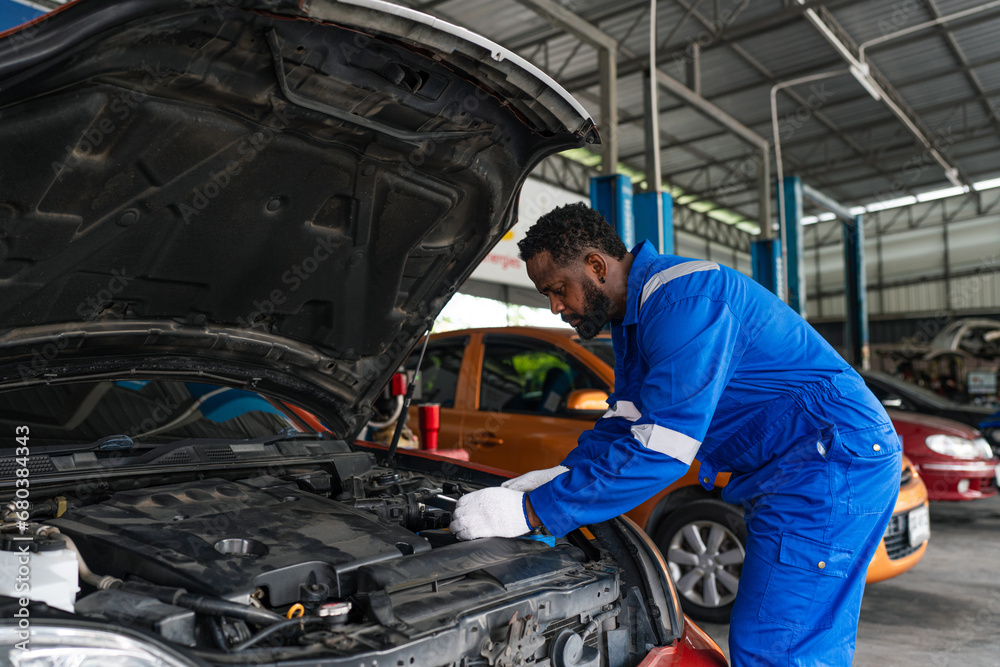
(747, 169)
(293, 278)
(21, 505)
(901, 14)
(20, 38)
(969, 628)
(917, 164)
(791, 122)
(248, 149)
(481, 435)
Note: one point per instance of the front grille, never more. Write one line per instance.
(905, 478)
(988, 484)
(897, 537)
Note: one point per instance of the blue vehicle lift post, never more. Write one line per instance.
(765, 261)
(792, 228)
(611, 196)
(855, 280)
(654, 220)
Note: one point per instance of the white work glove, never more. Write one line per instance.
(530, 481)
(494, 512)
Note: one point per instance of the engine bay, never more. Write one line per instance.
(336, 559)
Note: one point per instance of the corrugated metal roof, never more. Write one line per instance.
(772, 50)
(989, 75)
(850, 143)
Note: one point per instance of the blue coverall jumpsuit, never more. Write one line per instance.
(709, 364)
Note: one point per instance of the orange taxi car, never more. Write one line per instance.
(517, 398)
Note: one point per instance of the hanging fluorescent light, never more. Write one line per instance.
(941, 194)
(987, 185)
(891, 203)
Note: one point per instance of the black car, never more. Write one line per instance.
(898, 394)
(223, 225)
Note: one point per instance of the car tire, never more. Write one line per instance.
(704, 545)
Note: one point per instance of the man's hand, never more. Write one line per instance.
(530, 481)
(495, 512)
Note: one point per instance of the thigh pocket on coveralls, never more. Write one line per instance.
(804, 583)
(873, 470)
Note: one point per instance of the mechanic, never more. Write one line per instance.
(709, 364)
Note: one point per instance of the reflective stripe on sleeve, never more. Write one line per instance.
(665, 441)
(674, 272)
(623, 409)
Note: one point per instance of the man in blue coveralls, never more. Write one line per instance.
(709, 364)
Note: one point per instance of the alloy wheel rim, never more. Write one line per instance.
(705, 560)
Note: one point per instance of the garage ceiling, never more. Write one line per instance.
(945, 81)
(939, 112)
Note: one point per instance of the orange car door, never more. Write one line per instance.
(520, 422)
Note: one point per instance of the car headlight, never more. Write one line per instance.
(65, 646)
(961, 448)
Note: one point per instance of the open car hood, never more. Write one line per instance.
(283, 194)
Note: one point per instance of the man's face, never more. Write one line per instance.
(573, 293)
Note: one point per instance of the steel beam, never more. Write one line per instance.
(571, 22)
(678, 89)
(651, 99)
(633, 64)
(654, 174)
(829, 203)
(701, 225)
(878, 85)
(607, 50)
(607, 64)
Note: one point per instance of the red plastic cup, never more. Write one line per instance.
(430, 423)
(398, 387)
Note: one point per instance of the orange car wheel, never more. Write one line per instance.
(704, 544)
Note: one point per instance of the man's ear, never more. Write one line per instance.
(597, 265)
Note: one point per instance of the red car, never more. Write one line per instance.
(954, 459)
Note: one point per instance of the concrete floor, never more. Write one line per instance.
(945, 612)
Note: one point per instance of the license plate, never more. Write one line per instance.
(996, 471)
(919, 525)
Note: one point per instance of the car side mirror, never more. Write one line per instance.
(892, 401)
(587, 403)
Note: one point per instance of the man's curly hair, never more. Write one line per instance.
(566, 232)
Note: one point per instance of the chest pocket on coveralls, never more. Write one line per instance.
(874, 465)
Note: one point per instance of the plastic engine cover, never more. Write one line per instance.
(226, 538)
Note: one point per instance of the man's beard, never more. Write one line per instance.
(597, 307)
